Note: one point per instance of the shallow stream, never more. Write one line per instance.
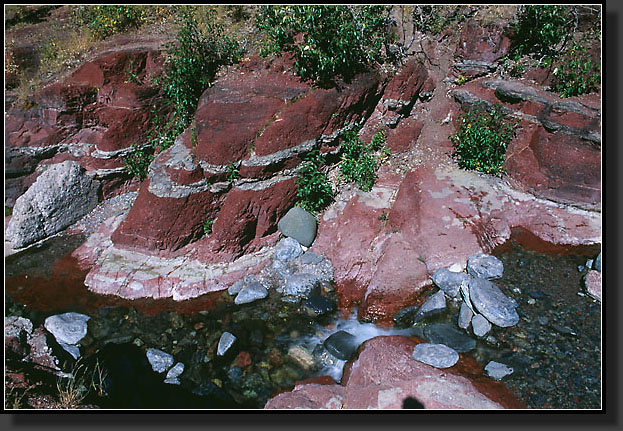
(555, 349)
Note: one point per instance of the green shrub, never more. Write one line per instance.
(576, 73)
(137, 162)
(327, 41)
(359, 160)
(192, 62)
(106, 20)
(482, 139)
(194, 59)
(541, 29)
(433, 19)
(548, 32)
(314, 192)
(130, 74)
(232, 171)
(207, 226)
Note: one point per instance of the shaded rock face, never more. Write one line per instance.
(92, 117)
(557, 152)
(58, 198)
(411, 84)
(401, 377)
(260, 118)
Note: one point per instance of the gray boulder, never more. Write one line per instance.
(433, 305)
(58, 198)
(450, 282)
(597, 263)
(441, 333)
(405, 317)
(436, 355)
(287, 249)
(235, 288)
(317, 305)
(341, 344)
(311, 258)
(489, 301)
(485, 266)
(300, 225)
(68, 328)
(323, 357)
(251, 292)
(74, 351)
(160, 361)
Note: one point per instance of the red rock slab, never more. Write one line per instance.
(318, 112)
(347, 235)
(544, 107)
(435, 217)
(302, 120)
(309, 396)
(247, 214)
(385, 374)
(28, 129)
(554, 165)
(227, 129)
(113, 67)
(240, 105)
(481, 42)
(406, 86)
(164, 223)
(592, 283)
(134, 275)
(398, 280)
(124, 126)
(404, 136)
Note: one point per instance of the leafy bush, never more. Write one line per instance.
(549, 32)
(207, 226)
(106, 20)
(137, 162)
(191, 65)
(541, 29)
(314, 192)
(359, 161)
(482, 139)
(576, 74)
(233, 171)
(327, 41)
(194, 59)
